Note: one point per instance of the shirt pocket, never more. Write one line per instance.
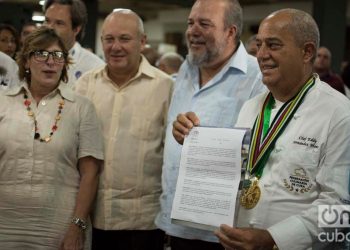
(300, 163)
(15, 129)
(302, 157)
(146, 123)
(297, 160)
(224, 113)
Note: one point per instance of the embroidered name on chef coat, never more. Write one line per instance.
(306, 141)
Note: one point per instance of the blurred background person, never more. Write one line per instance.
(345, 75)
(69, 19)
(50, 152)
(8, 72)
(322, 66)
(251, 46)
(151, 54)
(9, 40)
(27, 28)
(170, 63)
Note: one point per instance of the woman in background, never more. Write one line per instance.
(9, 40)
(50, 152)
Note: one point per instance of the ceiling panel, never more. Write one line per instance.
(147, 9)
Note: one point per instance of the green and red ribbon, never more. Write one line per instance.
(264, 136)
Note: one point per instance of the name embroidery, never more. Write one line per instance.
(306, 141)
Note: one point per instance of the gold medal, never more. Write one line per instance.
(251, 195)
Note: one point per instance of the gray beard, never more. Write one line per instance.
(198, 60)
(206, 58)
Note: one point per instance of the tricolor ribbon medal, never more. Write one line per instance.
(263, 140)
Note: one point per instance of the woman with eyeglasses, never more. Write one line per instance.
(9, 40)
(50, 153)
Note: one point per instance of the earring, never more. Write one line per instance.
(27, 71)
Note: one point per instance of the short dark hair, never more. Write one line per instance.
(78, 13)
(39, 39)
(29, 23)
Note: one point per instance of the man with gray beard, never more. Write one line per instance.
(217, 77)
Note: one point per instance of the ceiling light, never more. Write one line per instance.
(38, 17)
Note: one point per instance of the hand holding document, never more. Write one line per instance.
(209, 176)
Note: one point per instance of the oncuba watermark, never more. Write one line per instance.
(336, 218)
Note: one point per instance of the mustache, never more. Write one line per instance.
(116, 54)
(196, 40)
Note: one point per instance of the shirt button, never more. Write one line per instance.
(43, 103)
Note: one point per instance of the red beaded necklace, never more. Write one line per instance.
(31, 114)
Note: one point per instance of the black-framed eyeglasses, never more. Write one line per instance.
(43, 56)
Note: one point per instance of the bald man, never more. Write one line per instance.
(250, 45)
(170, 63)
(132, 99)
(299, 155)
(322, 67)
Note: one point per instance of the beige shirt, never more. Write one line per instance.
(39, 181)
(133, 119)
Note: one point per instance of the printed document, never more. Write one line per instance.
(209, 176)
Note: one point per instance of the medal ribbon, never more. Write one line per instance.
(267, 116)
(264, 136)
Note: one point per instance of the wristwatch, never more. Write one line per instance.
(79, 222)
